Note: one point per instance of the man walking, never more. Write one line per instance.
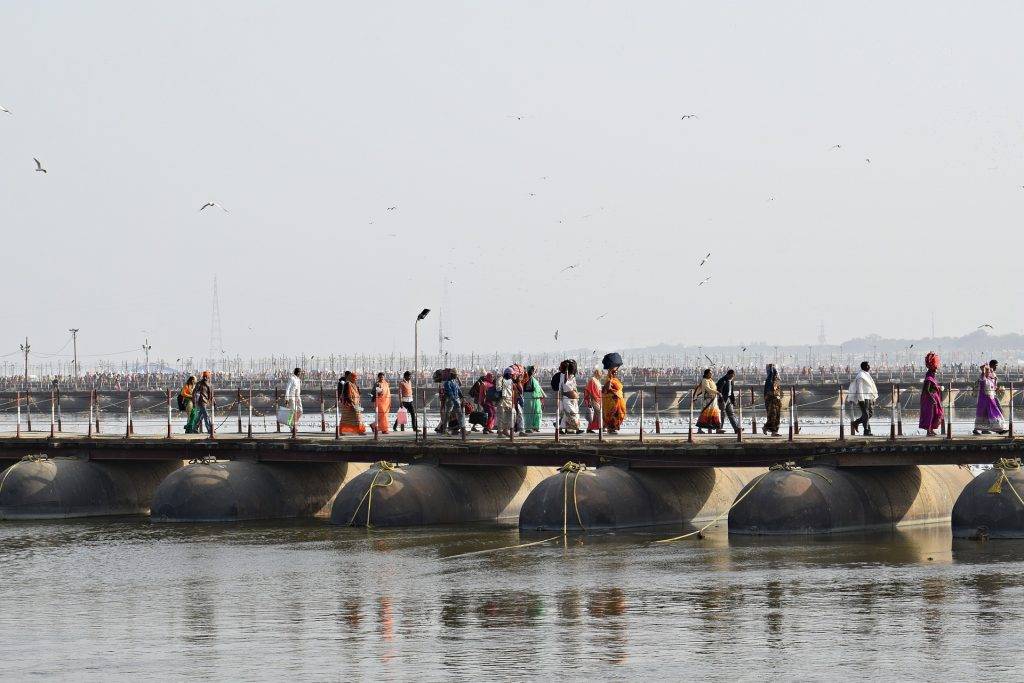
(726, 386)
(405, 397)
(203, 395)
(293, 398)
(453, 401)
(863, 393)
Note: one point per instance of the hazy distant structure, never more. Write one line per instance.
(821, 334)
(216, 338)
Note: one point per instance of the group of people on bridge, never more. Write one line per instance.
(510, 401)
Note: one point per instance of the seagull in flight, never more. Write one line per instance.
(556, 335)
(705, 259)
(4, 109)
(835, 147)
(703, 281)
(687, 116)
(601, 316)
(392, 208)
(210, 204)
(743, 349)
(517, 117)
(568, 267)
(986, 325)
(39, 166)
(867, 161)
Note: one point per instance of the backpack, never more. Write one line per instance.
(181, 401)
(556, 380)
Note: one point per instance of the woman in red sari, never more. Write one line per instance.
(931, 397)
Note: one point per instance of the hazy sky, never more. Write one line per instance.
(307, 120)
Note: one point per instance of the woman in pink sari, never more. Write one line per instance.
(931, 397)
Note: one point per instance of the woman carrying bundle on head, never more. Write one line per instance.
(613, 402)
(710, 414)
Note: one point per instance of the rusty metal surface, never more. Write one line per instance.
(655, 452)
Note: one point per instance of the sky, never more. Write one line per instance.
(857, 166)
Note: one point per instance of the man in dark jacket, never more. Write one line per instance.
(727, 398)
(203, 395)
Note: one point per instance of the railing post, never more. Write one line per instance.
(17, 402)
(213, 415)
(949, 412)
(323, 415)
(739, 416)
(558, 410)
(689, 428)
(892, 413)
(600, 416)
(842, 416)
(53, 413)
(791, 413)
(60, 417)
(424, 416)
(641, 414)
(96, 402)
(89, 422)
(238, 403)
(277, 407)
(128, 416)
(249, 410)
(657, 412)
(899, 410)
(337, 418)
(753, 412)
(168, 412)
(792, 405)
(28, 409)
(1010, 409)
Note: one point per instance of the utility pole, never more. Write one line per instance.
(74, 346)
(25, 349)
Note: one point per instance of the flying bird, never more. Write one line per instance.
(4, 109)
(39, 166)
(703, 281)
(705, 259)
(743, 349)
(986, 325)
(209, 204)
(867, 161)
(556, 335)
(601, 316)
(447, 338)
(835, 147)
(568, 268)
(517, 117)
(687, 116)
(532, 194)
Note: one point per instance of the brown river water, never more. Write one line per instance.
(126, 599)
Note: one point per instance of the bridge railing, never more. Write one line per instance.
(650, 409)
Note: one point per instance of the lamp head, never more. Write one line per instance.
(423, 314)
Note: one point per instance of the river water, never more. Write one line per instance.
(124, 598)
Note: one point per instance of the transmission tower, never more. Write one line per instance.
(821, 334)
(216, 339)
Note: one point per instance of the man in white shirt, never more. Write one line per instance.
(864, 394)
(293, 396)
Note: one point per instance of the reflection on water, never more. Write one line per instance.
(127, 599)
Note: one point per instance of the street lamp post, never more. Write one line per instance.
(416, 366)
(146, 347)
(74, 346)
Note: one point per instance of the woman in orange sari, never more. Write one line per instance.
(613, 401)
(351, 409)
(382, 402)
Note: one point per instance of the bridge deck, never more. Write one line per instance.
(656, 451)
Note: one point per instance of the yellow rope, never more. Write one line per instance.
(1002, 465)
(573, 468)
(736, 502)
(383, 467)
(787, 467)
